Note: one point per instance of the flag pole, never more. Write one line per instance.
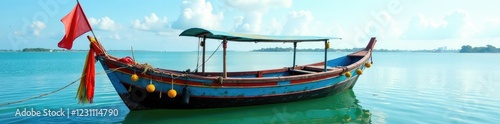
(91, 30)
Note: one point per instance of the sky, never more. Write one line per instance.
(156, 24)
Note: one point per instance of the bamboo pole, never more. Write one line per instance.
(203, 57)
(224, 46)
(294, 53)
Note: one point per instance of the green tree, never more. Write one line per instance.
(490, 48)
(466, 49)
(487, 49)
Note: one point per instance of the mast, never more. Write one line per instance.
(224, 46)
(294, 53)
(203, 61)
(327, 45)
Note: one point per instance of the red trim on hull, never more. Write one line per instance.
(215, 83)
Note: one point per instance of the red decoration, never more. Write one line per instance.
(75, 24)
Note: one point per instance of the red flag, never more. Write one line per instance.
(75, 24)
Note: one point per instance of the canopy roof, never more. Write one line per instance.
(232, 36)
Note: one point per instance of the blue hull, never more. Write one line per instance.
(136, 97)
(203, 90)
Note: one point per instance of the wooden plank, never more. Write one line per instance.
(303, 71)
(317, 68)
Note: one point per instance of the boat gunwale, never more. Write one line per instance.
(167, 72)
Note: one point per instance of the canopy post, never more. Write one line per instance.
(327, 45)
(224, 46)
(203, 61)
(294, 53)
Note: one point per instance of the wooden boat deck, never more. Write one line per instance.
(318, 68)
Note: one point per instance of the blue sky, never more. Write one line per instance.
(155, 24)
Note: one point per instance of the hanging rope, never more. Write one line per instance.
(45, 94)
(172, 82)
(371, 57)
(205, 61)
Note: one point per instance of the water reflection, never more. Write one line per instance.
(341, 108)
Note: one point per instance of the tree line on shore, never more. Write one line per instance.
(281, 49)
(464, 49)
(36, 50)
(289, 49)
(486, 49)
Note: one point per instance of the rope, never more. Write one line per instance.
(371, 57)
(146, 68)
(172, 82)
(45, 94)
(210, 56)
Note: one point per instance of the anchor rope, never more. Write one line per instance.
(64, 87)
(210, 56)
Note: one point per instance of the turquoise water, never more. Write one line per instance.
(399, 88)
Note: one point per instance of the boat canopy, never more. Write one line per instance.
(233, 36)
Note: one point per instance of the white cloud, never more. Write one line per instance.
(105, 23)
(115, 36)
(151, 23)
(276, 27)
(257, 5)
(298, 23)
(37, 27)
(197, 13)
(251, 22)
(490, 29)
(420, 28)
(254, 10)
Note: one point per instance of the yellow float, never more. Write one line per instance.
(134, 77)
(368, 65)
(359, 72)
(172, 93)
(150, 88)
(347, 74)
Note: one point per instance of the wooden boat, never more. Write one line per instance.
(141, 87)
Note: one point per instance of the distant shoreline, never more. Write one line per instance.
(56, 50)
(280, 49)
(298, 50)
(464, 49)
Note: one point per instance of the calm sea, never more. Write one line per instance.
(399, 88)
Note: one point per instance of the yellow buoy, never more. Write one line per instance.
(359, 72)
(347, 74)
(327, 45)
(134, 77)
(172, 93)
(368, 65)
(150, 88)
